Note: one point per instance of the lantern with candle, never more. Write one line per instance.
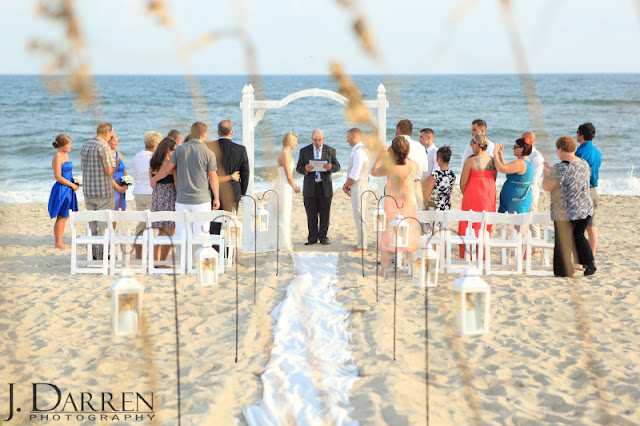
(425, 268)
(399, 232)
(379, 219)
(261, 220)
(471, 303)
(233, 230)
(207, 265)
(126, 304)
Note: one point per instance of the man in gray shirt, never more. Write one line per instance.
(196, 173)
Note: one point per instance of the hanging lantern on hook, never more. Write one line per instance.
(207, 265)
(425, 267)
(379, 219)
(399, 232)
(261, 219)
(232, 230)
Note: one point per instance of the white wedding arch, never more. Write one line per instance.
(253, 112)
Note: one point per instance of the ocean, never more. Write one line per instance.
(31, 117)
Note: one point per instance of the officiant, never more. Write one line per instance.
(317, 162)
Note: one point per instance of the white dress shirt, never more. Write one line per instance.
(358, 159)
(432, 152)
(536, 159)
(419, 155)
(468, 152)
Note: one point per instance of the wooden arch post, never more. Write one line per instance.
(253, 111)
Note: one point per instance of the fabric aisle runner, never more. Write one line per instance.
(308, 378)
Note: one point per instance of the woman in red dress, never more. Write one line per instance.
(477, 183)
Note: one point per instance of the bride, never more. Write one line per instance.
(285, 186)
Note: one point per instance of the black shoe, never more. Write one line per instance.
(324, 241)
(590, 269)
(310, 243)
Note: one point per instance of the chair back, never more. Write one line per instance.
(87, 216)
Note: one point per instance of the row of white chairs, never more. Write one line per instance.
(504, 231)
(118, 238)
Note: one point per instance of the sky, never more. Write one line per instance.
(304, 36)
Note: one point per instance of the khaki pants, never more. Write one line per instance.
(97, 228)
(360, 210)
(143, 202)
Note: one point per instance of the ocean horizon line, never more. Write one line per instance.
(329, 75)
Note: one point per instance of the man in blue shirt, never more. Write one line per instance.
(591, 155)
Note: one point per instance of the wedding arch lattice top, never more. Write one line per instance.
(253, 111)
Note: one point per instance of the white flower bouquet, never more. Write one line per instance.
(127, 180)
(77, 179)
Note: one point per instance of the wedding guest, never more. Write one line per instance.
(357, 183)
(175, 135)
(63, 194)
(571, 208)
(537, 160)
(477, 183)
(163, 198)
(119, 187)
(426, 140)
(401, 172)
(440, 184)
(196, 165)
(585, 134)
(515, 196)
(142, 189)
(478, 127)
(98, 164)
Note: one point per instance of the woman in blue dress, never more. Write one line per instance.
(63, 194)
(515, 196)
(119, 187)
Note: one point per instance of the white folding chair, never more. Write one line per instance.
(99, 266)
(546, 243)
(215, 240)
(122, 225)
(179, 243)
(509, 230)
(433, 221)
(473, 245)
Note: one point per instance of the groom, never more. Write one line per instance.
(317, 189)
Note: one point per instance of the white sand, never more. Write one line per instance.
(559, 350)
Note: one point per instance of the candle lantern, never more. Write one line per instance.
(379, 219)
(126, 304)
(207, 265)
(471, 303)
(232, 230)
(399, 232)
(425, 268)
(261, 220)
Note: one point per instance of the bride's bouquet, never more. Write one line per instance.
(77, 179)
(127, 180)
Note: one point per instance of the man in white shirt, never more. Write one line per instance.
(142, 190)
(537, 161)
(477, 126)
(357, 183)
(426, 140)
(417, 154)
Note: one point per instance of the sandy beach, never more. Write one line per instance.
(558, 351)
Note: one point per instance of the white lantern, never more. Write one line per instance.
(261, 220)
(425, 268)
(471, 303)
(399, 232)
(126, 304)
(379, 219)
(207, 265)
(233, 231)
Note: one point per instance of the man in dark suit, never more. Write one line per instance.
(317, 189)
(233, 169)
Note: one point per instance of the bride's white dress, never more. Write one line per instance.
(267, 240)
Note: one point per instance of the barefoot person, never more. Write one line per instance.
(358, 182)
(63, 193)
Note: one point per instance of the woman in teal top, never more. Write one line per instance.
(515, 196)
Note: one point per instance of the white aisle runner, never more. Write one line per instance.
(308, 378)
